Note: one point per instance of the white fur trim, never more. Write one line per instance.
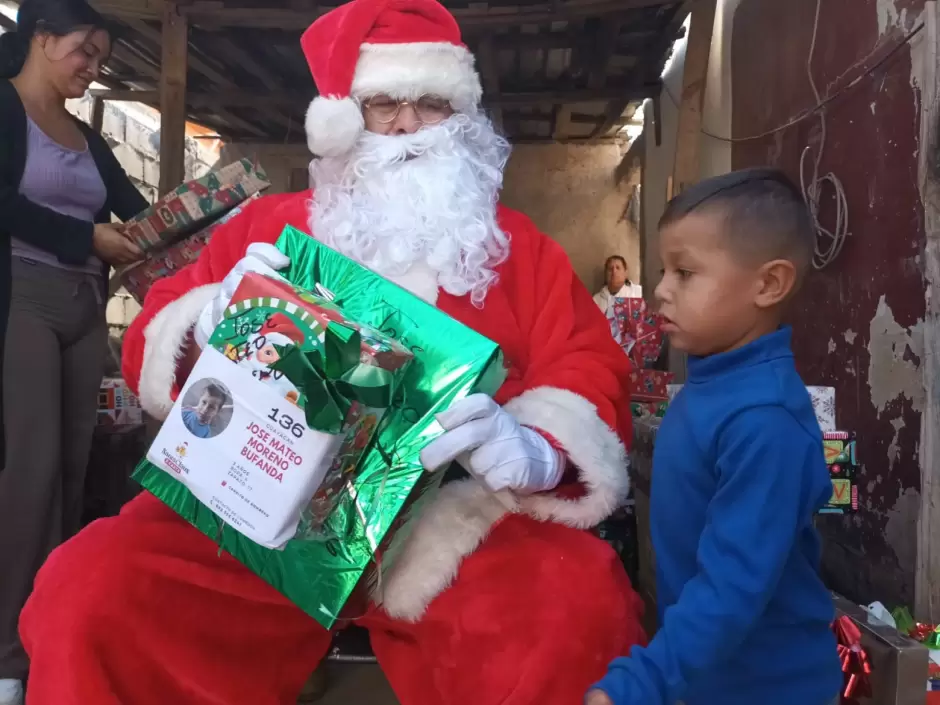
(333, 125)
(419, 280)
(164, 344)
(420, 68)
(591, 445)
(449, 530)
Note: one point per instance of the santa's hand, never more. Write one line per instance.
(260, 258)
(494, 448)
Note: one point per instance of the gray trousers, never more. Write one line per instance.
(55, 348)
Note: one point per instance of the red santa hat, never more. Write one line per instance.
(280, 330)
(400, 48)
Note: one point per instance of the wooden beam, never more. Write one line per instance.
(553, 40)
(97, 114)
(604, 44)
(489, 73)
(214, 75)
(612, 117)
(246, 98)
(241, 124)
(124, 53)
(175, 41)
(927, 568)
(686, 170)
(562, 122)
(213, 14)
(239, 55)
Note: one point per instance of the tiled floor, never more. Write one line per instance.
(355, 684)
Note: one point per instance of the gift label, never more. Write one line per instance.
(243, 449)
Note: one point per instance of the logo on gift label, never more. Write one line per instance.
(174, 461)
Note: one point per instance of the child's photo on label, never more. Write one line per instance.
(207, 408)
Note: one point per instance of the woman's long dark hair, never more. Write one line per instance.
(55, 17)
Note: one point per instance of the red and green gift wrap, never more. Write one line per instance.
(160, 263)
(359, 421)
(656, 409)
(649, 385)
(196, 204)
(638, 330)
(839, 449)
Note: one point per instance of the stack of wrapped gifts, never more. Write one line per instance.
(637, 330)
(174, 231)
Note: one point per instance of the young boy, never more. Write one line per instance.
(738, 467)
(199, 419)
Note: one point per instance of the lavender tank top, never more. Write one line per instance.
(64, 180)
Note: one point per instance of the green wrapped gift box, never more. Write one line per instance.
(320, 571)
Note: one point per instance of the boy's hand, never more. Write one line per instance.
(597, 697)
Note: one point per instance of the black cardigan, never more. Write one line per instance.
(69, 239)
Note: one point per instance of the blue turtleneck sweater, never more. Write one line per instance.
(738, 474)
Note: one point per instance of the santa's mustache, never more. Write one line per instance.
(428, 196)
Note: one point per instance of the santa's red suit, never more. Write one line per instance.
(486, 605)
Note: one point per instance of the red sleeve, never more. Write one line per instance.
(159, 337)
(573, 379)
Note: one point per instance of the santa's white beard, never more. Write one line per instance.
(430, 197)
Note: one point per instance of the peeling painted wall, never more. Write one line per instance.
(858, 324)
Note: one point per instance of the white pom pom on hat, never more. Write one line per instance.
(400, 48)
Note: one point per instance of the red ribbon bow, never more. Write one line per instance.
(855, 663)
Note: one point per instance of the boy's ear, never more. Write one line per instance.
(777, 281)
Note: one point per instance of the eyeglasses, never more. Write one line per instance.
(430, 109)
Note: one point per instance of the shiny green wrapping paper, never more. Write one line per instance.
(319, 571)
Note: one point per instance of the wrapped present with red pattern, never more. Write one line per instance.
(195, 204)
(138, 278)
(656, 409)
(649, 385)
(637, 329)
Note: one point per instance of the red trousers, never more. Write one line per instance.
(141, 609)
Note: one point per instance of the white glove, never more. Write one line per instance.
(260, 258)
(493, 447)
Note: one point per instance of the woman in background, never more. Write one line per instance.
(59, 185)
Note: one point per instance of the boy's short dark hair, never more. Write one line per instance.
(617, 258)
(765, 213)
(215, 391)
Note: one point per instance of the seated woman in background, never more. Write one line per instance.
(59, 185)
(618, 284)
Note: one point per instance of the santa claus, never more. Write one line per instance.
(501, 595)
(262, 353)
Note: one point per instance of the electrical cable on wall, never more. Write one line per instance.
(828, 242)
